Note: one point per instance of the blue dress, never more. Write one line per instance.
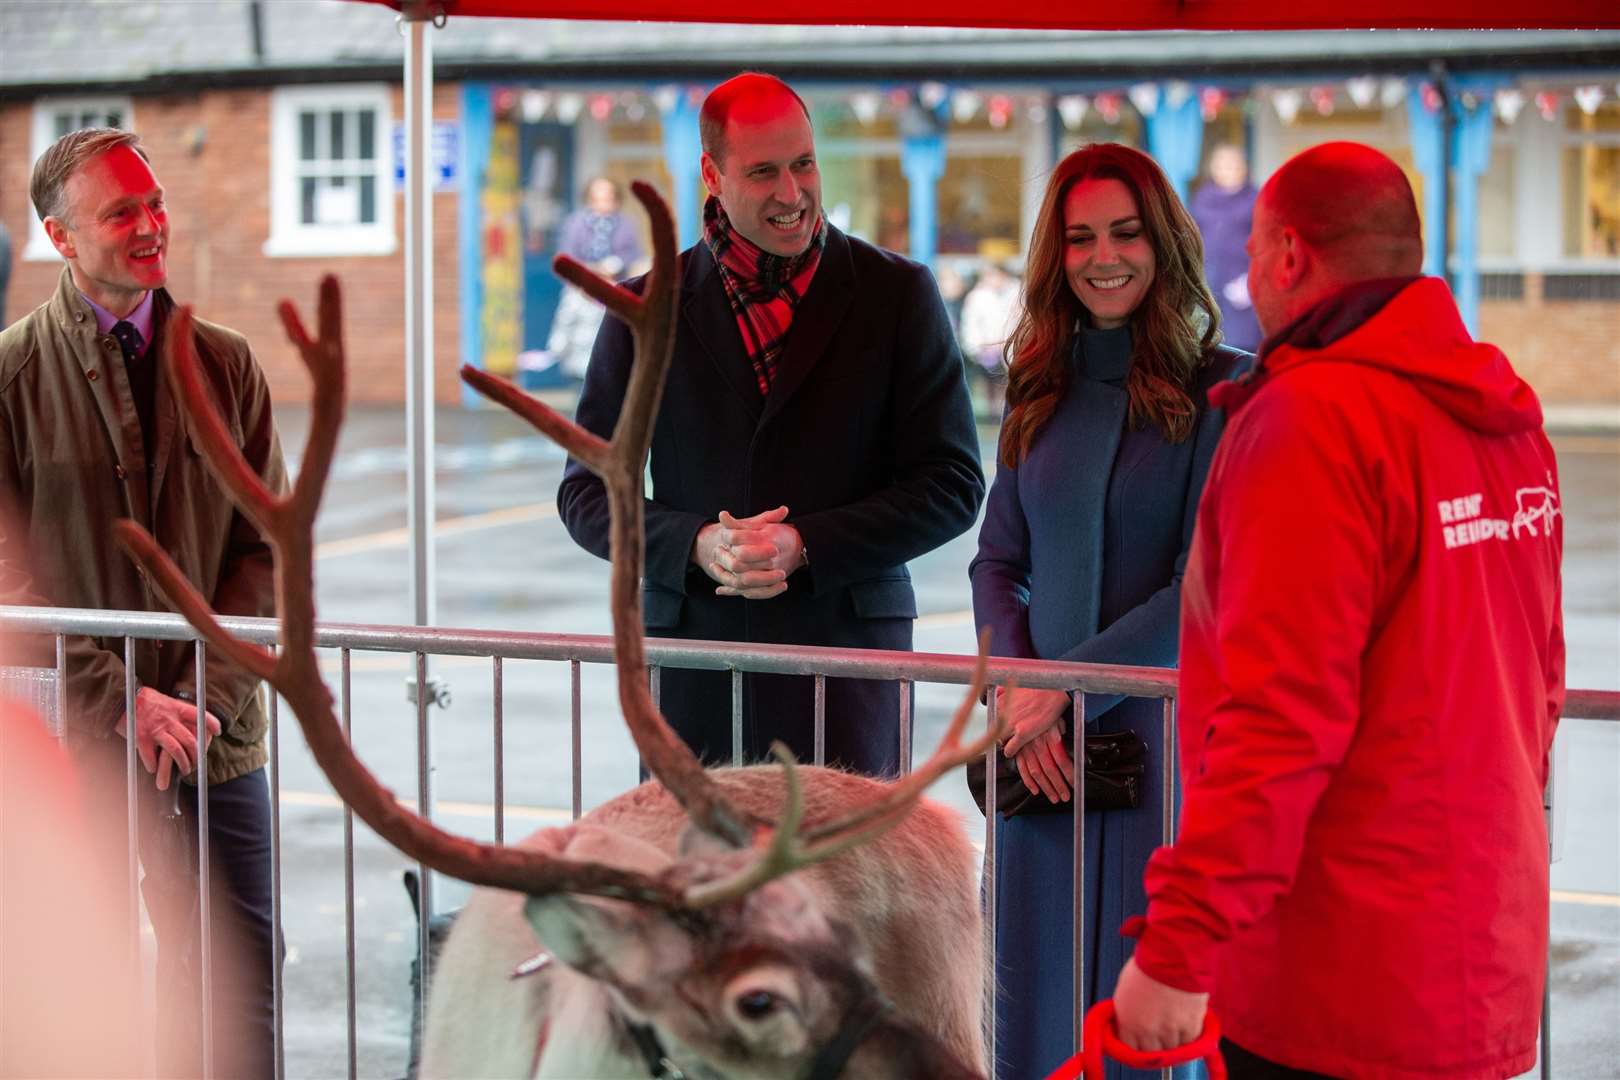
(1080, 558)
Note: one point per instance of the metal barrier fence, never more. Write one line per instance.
(40, 688)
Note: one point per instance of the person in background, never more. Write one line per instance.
(814, 435)
(1102, 455)
(90, 434)
(953, 290)
(989, 315)
(1372, 668)
(1223, 207)
(599, 235)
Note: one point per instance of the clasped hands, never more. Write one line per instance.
(166, 734)
(1034, 740)
(749, 557)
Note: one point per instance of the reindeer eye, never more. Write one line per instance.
(756, 1004)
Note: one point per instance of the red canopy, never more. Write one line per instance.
(1072, 15)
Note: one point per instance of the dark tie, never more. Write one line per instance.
(129, 340)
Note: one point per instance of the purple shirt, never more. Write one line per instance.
(140, 318)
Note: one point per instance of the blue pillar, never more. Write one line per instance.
(922, 159)
(1175, 138)
(1429, 155)
(477, 126)
(683, 151)
(1470, 156)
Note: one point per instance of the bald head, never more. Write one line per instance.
(1335, 215)
(1352, 206)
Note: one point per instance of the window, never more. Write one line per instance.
(331, 171)
(1591, 176)
(53, 118)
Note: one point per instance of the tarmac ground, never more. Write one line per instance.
(505, 561)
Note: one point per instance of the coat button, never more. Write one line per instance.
(119, 472)
(92, 374)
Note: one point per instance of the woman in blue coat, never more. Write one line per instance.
(1103, 450)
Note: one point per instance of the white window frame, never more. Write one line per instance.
(289, 236)
(38, 247)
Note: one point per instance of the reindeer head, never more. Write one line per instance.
(717, 949)
(751, 987)
(763, 987)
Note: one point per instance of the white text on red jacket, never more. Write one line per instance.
(1533, 512)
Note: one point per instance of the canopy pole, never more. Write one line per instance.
(419, 398)
(419, 313)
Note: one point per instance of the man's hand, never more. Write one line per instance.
(749, 557)
(1027, 713)
(1153, 1016)
(166, 734)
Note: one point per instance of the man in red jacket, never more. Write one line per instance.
(1372, 665)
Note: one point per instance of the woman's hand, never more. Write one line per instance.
(1045, 765)
(1027, 713)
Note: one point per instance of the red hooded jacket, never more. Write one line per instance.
(1372, 666)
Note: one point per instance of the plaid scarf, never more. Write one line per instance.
(763, 288)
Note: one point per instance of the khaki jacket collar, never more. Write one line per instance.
(101, 364)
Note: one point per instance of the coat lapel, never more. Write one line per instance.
(709, 316)
(818, 317)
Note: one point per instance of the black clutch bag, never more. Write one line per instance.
(1116, 763)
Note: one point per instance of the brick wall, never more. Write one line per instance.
(1569, 350)
(219, 206)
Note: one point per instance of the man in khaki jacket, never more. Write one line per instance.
(89, 434)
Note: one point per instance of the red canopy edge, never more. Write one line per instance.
(1071, 15)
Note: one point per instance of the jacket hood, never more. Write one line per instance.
(1418, 335)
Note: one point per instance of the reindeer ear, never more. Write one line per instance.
(623, 944)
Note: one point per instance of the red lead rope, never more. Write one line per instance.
(1100, 1038)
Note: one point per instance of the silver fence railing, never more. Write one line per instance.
(41, 689)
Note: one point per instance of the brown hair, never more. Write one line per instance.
(1172, 329)
(66, 156)
(723, 98)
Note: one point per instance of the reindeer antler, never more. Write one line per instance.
(621, 463)
(288, 524)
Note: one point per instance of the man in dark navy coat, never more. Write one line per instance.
(815, 434)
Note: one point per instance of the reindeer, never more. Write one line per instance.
(676, 937)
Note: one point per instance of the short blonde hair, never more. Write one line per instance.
(65, 157)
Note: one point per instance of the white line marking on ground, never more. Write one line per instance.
(447, 527)
(942, 619)
(1593, 899)
(443, 807)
